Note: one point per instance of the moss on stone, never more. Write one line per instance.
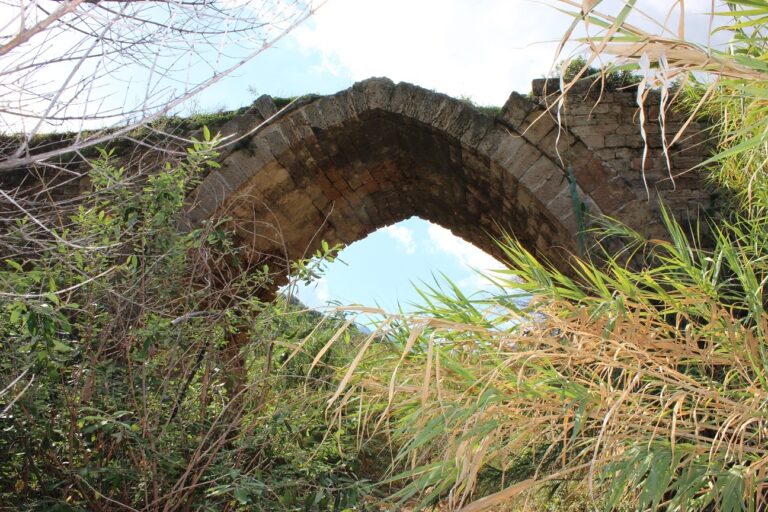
(282, 102)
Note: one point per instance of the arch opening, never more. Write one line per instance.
(385, 267)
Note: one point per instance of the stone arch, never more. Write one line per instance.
(338, 167)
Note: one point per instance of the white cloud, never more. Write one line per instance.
(404, 237)
(465, 253)
(479, 48)
(483, 49)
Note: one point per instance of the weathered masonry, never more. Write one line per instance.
(338, 167)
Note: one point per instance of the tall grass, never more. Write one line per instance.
(637, 386)
(646, 388)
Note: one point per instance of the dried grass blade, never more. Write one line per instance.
(353, 366)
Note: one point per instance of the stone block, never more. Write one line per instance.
(277, 141)
(628, 129)
(538, 124)
(236, 169)
(541, 176)
(296, 205)
(613, 196)
(296, 130)
(552, 187)
(404, 99)
(463, 119)
(273, 181)
(314, 117)
(515, 110)
(477, 128)
(615, 141)
(203, 203)
(590, 172)
(358, 177)
(447, 116)
(505, 149)
(335, 110)
(265, 106)
(583, 122)
(427, 106)
(543, 87)
(472, 163)
(329, 190)
(591, 207)
(570, 224)
(519, 162)
(556, 145)
(493, 138)
(357, 101)
(593, 140)
(319, 198)
(378, 92)
(605, 107)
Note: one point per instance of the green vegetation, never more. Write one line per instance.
(154, 133)
(488, 110)
(611, 78)
(139, 366)
(284, 102)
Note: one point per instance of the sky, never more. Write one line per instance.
(481, 49)
(384, 269)
(478, 49)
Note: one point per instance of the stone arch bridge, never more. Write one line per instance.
(338, 167)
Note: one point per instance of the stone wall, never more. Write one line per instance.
(608, 123)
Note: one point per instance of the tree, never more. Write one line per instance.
(116, 367)
(102, 73)
(101, 68)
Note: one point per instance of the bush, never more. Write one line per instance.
(139, 367)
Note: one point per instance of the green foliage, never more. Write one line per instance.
(281, 102)
(612, 78)
(311, 269)
(644, 383)
(139, 368)
(488, 110)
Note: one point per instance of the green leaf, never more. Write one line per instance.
(16, 266)
(658, 478)
(61, 347)
(242, 495)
